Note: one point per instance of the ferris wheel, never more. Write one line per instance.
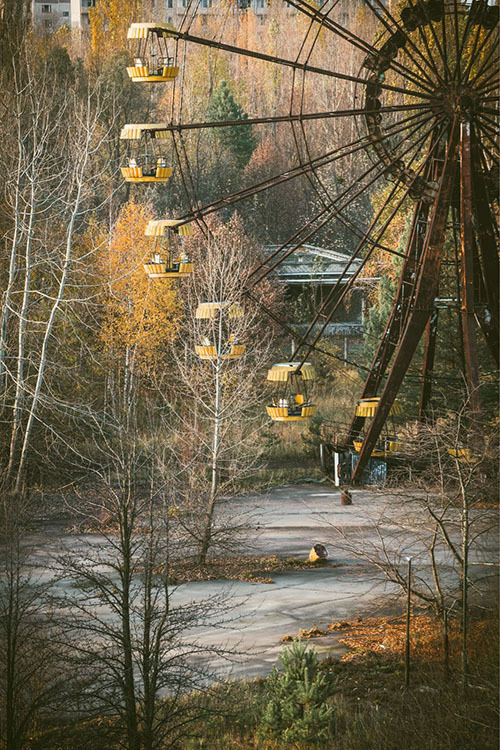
(424, 120)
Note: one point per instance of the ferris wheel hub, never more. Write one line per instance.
(459, 100)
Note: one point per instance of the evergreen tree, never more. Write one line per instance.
(238, 139)
(296, 709)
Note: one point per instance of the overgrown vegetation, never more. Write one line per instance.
(357, 703)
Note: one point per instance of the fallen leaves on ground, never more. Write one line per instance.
(251, 569)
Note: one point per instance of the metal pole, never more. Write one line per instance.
(408, 615)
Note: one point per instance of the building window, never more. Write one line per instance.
(206, 3)
(170, 19)
(184, 3)
(89, 3)
(170, 3)
(65, 13)
(48, 25)
(46, 8)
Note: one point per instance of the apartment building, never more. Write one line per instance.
(51, 14)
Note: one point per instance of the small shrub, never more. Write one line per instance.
(295, 708)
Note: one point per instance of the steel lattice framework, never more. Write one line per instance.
(427, 116)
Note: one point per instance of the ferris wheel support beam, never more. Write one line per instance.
(423, 303)
(404, 295)
(299, 117)
(428, 366)
(326, 22)
(488, 260)
(292, 63)
(467, 276)
(392, 333)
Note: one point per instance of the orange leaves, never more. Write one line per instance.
(109, 21)
(386, 635)
(140, 313)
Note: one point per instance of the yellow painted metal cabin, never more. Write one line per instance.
(366, 408)
(165, 264)
(153, 62)
(147, 160)
(231, 348)
(291, 402)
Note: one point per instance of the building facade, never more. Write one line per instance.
(310, 274)
(52, 14)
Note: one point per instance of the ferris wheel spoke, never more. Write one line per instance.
(490, 61)
(312, 177)
(417, 52)
(190, 191)
(423, 36)
(474, 53)
(364, 240)
(361, 44)
(334, 155)
(490, 111)
(492, 157)
(490, 133)
(333, 210)
(292, 64)
(298, 117)
(456, 72)
(489, 86)
(310, 30)
(460, 43)
(321, 213)
(291, 332)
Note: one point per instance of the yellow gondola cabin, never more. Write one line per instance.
(147, 157)
(166, 263)
(153, 61)
(230, 347)
(291, 402)
(387, 443)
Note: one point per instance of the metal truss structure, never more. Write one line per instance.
(426, 109)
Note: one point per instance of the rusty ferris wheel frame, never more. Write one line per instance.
(440, 58)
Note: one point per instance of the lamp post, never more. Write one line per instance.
(408, 613)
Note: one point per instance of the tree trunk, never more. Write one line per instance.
(80, 169)
(214, 485)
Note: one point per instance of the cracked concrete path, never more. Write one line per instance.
(287, 521)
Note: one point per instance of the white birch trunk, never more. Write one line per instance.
(79, 172)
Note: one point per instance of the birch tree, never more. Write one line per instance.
(52, 187)
(220, 407)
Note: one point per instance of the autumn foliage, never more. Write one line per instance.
(140, 313)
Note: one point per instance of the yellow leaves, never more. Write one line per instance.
(140, 314)
(109, 21)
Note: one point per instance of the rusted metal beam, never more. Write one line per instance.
(299, 117)
(428, 366)
(402, 301)
(290, 63)
(323, 19)
(486, 231)
(467, 275)
(393, 329)
(428, 279)
(321, 161)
